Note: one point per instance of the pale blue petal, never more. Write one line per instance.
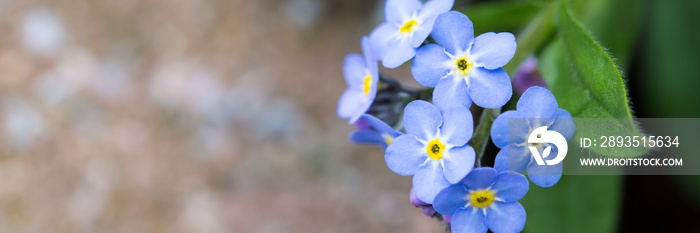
(426, 16)
(370, 60)
(493, 50)
(510, 186)
(521, 158)
(422, 119)
(367, 136)
(354, 70)
(506, 217)
(545, 175)
(429, 65)
(538, 102)
(382, 38)
(469, 220)
(428, 181)
(457, 126)
(433, 8)
(499, 129)
(489, 88)
(398, 54)
(454, 31)
(378, 125)
(519, 130)
(564, 124)
(405, 154)
(353, 104)
(517, 158)
(420, 33)
(451, 91)
(480, 178)
(458, 161)
(450, 199)
(399, 11)
(501, 161)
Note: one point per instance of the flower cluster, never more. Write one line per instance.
(431, 142)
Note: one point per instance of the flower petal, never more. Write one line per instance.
(506, 217)
(352, 104)
(515, 158)
(422, 119)
(415, 201)
(370, 60)
(426, 16)
(480, 178)
(405, 154)
(538, 102)
(499, 129)
(510, 186)
(428, 181)
(564, 124)
(501, 161)
(451, 91)
(450, 199)
(354, 70)
(489, 88)
(545, 175)
(426, 208)
(420, 33)
(367, 136)
(378, 125)
(399, 11)
(429, 65)
(398, 54)
(382, 38)
(469, 220)
(493, 50)
(457, 162)
(454, 31)
(457, 126)
(433, 8)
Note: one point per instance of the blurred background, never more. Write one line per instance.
(219, 116)
(187, 116)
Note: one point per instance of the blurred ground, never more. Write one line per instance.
(187, 116)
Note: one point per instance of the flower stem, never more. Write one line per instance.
(482, 132)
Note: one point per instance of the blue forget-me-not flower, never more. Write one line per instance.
(372, 130)
(536, 108)
(408, 24)
(485, 199)
(362, 76)
(464, 68)
(434, 149)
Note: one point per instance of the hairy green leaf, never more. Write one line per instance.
(587, 83)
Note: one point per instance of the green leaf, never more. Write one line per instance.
(615, 24)
(575, 204)
(500, 16)
(587, 83)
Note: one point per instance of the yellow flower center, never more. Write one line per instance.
(463, 65)
(435, 149)
(408, 26)
(482, 198)
(388, 139)
(367, 84)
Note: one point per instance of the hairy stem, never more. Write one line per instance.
(482, 133)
